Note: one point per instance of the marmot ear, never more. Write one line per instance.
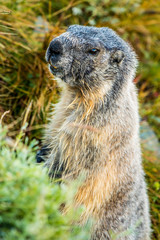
(117, 56)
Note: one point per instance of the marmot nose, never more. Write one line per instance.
(54, 51)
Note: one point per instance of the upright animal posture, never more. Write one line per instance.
(94, 130)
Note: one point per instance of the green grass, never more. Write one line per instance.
(152, 171)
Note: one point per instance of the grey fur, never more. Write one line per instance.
(95, 130)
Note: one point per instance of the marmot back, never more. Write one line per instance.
(94, 130)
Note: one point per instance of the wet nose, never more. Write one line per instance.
(54, 51)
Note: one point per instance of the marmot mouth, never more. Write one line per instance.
(53, 69)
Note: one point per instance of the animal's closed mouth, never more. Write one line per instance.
(54, 68)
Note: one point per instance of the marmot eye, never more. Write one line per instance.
(93, 51)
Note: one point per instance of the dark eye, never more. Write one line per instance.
(93, 51)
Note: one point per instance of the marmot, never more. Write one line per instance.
(95, 130)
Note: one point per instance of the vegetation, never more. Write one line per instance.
(27, 91)
(30, 204)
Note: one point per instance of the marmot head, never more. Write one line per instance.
(89, 57)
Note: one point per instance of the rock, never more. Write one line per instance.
(149, 139)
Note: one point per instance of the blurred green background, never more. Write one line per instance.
(27, 89)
